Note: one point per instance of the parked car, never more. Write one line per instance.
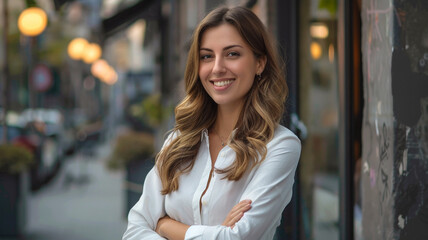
(45, 127)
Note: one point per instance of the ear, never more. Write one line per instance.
(261, 63)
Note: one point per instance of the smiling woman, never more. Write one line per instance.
(227, 169)
(228, 66)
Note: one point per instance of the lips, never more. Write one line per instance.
(222, 84)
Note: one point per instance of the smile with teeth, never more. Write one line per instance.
(222, 83)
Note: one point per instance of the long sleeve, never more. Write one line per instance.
(270, 190)
(143, 217)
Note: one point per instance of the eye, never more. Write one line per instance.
(205, 56)
(233, 54)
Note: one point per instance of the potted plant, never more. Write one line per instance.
(133, 151)
(14, 162)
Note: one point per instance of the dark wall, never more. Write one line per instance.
(395, 121)
(409, 73)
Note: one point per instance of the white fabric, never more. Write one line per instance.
(269, 186)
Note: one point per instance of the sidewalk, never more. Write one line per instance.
(84, 202)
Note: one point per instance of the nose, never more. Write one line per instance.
(219, 66)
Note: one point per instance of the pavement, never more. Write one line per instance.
(84, 202)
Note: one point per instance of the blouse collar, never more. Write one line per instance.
(204, 134)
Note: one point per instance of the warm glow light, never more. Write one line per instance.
(316, 50)
(76, 48)
(32, 21)
(92, 52)
(318, 30)
(111, 76)
(331, 53)
(99, 67)
(103, 71)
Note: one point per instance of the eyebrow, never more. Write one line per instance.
(225, 48)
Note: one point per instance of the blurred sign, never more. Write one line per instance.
(41, 78)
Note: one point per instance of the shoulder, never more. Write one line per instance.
(283, 136)
(284, 142)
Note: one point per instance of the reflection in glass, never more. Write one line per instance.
(319, 168)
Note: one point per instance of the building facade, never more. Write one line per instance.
(357, 76)
(358, 98)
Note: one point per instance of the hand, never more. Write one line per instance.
(236, 213)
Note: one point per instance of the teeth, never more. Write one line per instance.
(222, 83)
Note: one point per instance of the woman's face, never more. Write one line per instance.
(227, 65)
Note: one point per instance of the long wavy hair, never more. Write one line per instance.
(258, 119)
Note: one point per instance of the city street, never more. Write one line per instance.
(89, 90)
(85, 201)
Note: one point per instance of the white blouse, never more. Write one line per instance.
(268, 185)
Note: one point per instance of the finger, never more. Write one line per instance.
(241, 205)
(245, 201)
(233, 215)
(232, 218)
(241, 208)
(237, 215)
(230, 221)
(236, 219)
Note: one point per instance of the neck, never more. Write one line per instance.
(226, 120)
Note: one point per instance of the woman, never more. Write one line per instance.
(227, 170)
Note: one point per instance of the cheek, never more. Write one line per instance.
(203, 71)
(247, 67)
(204, 84)
(248, 85)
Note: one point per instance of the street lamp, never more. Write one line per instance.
(99, 67)
(32, 21)
(110, 76)
(81, 49)
(92, 53)
(102, 70)
(76, 48)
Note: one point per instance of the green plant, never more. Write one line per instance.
(329, 5)
(131, 146)
(14, 158)
(151, 110)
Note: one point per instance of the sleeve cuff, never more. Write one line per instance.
(194, 232)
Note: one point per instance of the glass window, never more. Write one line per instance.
(318, 103)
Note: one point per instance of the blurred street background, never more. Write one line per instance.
(88, 90)
(85, 201)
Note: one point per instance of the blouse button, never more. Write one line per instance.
(204, 203)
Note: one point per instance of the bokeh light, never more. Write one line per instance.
(76, 48)
(32, 21)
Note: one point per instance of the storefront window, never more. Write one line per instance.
(318, 103)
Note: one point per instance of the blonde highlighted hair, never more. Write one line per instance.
(259, 117)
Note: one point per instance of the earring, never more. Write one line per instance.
(259, 76)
